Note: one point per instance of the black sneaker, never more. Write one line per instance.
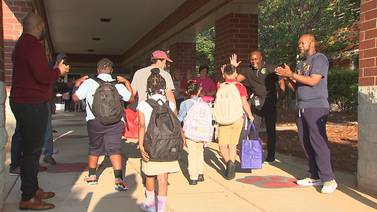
(201, 178)
(232, 170)
(269, 159)
(193, 182)
(226, 170)
(49, 159)
(14, 171)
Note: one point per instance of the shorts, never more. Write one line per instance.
(230, 134)
(104, 139)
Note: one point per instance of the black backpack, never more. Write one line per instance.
(163, 140)
(107, 106)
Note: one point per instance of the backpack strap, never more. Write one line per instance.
(194, 101)
(153, 103)
(230, 83)
(90, 108)
(98, 80)
(101, 81)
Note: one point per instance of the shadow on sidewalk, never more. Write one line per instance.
(213, 161)
(183, 164)
(350, 192)
(128, 150)
(118, 201)
(346, 186)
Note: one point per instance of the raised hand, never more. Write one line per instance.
(122, 80)
(233, 60)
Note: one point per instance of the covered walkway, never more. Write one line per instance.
(270, 189)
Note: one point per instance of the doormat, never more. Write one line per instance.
(271, 181)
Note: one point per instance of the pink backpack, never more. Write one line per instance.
(198, 122)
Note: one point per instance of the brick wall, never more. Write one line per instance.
(235, 33)
(13, 13)
(368, 43)
(184, 57)
(367, 97)
(1, 45)
(3, 135)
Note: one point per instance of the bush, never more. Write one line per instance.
(343, 89)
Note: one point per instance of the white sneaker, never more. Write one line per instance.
(309, 182)
(148, 208)
(329, 187)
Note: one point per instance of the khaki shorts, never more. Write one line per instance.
(230, 134)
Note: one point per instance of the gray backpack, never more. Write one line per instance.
(107, 106)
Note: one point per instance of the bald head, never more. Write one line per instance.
(257, 52)
(306, 44)
(33, 24)
(31, 21)
(256, 59)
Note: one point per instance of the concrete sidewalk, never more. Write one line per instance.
(269, 189)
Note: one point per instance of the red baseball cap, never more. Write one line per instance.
(158, 54)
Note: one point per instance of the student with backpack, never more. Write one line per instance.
(104, 115)
(230, 105)
(197, 117)
(160, 141)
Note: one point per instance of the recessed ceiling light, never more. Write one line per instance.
(105, 19)
(90, 50)
(96, 38)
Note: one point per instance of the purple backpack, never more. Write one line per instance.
(252, 150)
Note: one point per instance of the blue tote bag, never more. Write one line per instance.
(252, 150)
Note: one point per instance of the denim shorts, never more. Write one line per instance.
(104, 139)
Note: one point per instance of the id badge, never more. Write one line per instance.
(257, 102)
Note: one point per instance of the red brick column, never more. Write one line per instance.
(1, 45)
(13, 13)
(235, 33)
(368, 43)
(184, 57)
(3, 134)
(367, 98)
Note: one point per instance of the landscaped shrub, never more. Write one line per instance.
(343, 88)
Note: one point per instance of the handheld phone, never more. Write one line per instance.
(65, 60)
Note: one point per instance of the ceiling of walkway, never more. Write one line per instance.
(76, 25)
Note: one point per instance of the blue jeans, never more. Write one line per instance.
(48, 145)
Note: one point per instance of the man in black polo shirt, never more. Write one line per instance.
(262, 81)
